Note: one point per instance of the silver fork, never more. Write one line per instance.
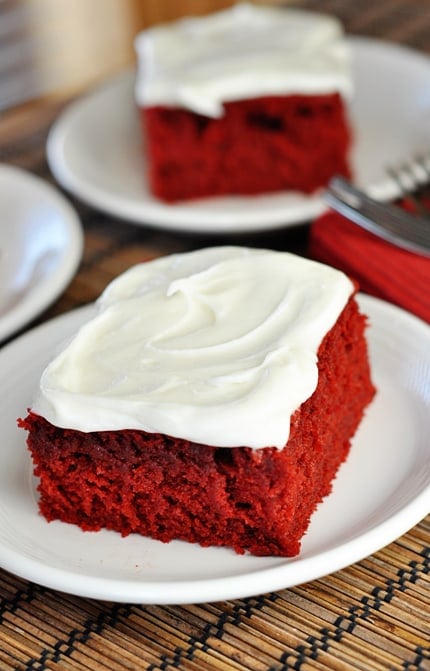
(412, 178)
(392, 223)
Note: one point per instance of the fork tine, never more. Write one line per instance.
(413, 180)
(423, 162)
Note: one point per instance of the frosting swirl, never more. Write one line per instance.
(217, 346)
(242, 52)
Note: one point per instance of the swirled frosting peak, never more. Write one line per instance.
(217, 346)
(246, 51)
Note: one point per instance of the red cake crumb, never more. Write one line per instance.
(260, 145)
(259, 501)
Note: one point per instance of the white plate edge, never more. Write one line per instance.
(45, 293)
(171, 592)
(188, 219)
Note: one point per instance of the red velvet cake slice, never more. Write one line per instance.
(212, 399)
(248, 100)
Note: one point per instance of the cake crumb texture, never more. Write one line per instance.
(252, 500)
(265, 144)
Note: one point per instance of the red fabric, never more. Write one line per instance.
(381, 269)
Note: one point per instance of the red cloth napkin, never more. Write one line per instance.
(381, 269)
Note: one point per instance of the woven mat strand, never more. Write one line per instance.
(372, 615)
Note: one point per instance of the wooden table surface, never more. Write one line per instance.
(371, 615)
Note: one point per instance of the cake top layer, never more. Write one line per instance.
(217, 346)
(246, 51)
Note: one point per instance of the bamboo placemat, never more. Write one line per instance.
(373, 615)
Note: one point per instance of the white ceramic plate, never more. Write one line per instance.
(94, 148)
(40, 247)
(380, 492)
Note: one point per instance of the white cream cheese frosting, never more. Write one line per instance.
(242, 52)
(217, 346)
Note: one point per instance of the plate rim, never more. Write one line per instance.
(157, 214)
(201, 590)
(43, 294)
(188, 215)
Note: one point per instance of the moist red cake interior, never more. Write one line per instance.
(259, 501)
(265, 144)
